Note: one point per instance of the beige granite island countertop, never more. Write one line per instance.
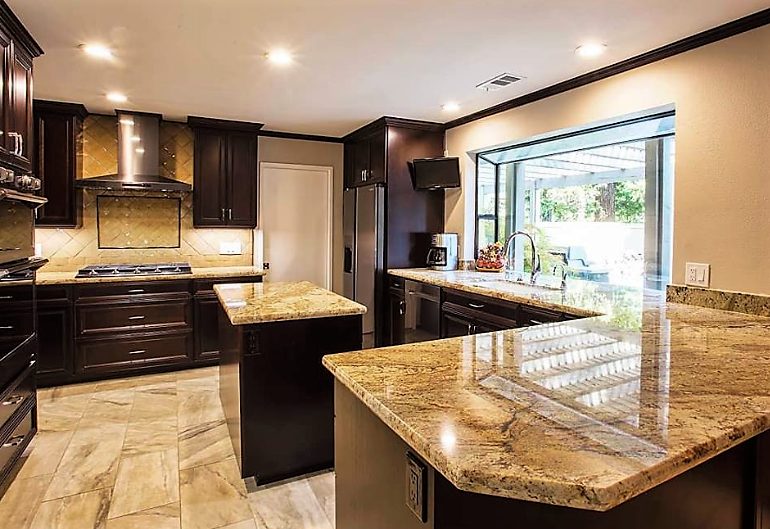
(248, 303)
(215, 272)
(586, 413)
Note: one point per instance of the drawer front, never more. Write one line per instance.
(133, 289)
(12, 446)
(52, 293)
(538, 316)
(483, 304)
(21, 391)
(206, 286)
(129, 352)
(96, 319)
(396, 282)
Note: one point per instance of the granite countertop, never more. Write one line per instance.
(586, 413)
(215, 272)
(247, 303)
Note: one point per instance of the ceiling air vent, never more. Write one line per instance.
(498, 82)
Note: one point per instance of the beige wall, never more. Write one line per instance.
(722, 185)
(280, 150)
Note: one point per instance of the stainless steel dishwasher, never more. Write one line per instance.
(423, 312)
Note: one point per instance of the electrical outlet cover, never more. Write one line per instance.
(230, 248)
(697, 275)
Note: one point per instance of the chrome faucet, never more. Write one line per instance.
(535, 257)
(564, 271)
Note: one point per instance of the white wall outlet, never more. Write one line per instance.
(697, 274)
(230, 248)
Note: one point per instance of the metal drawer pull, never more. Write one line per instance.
(136, 291)
(6, 297)
(136, 317)
(137, 352)
(535, 322)
(476, 305)
(14, 441)
(6, 327)
(13, 400)
(9, 249)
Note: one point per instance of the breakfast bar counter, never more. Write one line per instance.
(277, 397)
(656, 419)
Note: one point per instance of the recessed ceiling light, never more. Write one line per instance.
(590, 49)
(127, 121)
(136, 139)
(450, 107)
(139, 150)
(117, 97)
(97, 51)
(279, 57)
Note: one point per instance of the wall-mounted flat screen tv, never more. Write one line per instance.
(435, 173)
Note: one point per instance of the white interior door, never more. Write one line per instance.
(295, 221)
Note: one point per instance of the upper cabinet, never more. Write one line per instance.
(18, 49)
(225, 173)
(366, 159)
(57, 161)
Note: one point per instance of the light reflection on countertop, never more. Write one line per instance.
(586, 413)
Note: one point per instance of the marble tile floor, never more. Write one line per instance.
(148, 452)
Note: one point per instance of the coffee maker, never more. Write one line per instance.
(443, 251)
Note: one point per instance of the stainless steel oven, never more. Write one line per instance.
(18, 339)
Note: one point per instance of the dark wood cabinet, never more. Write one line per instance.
(57, 161)
(367, 159)
(18, 50)
(93, 331)
(397, 311)
(55, 359)
(225, 173)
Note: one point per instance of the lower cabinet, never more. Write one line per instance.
(461, 313)
(88, 332)
(55, 358)
(206, 328)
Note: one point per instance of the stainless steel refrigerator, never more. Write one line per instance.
(364, 229)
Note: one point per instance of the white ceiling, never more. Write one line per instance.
(357, 60)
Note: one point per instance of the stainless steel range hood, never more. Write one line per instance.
(138, 160)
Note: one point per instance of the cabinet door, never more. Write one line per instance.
(6, 50)
(397, 309)
(242, 181)
(360, 164)
(377, 148)
(20, 106)
(55, 361)
(454, 325)
(55, 160)
(206, 329)
(209, 187)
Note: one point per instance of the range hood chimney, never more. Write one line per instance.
(138, 157)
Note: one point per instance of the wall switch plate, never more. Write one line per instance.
(416, 490)
(697, 275)
(230, 248)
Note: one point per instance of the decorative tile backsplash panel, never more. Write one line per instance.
(70, 249)
(138, 222)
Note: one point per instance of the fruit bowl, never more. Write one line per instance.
(491, 258)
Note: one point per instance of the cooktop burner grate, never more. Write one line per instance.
(134, 270)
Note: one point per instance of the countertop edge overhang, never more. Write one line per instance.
(255, 303)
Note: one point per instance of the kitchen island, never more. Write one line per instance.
(650, 415)
(277, 397)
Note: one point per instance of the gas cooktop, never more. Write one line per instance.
(135, 270)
